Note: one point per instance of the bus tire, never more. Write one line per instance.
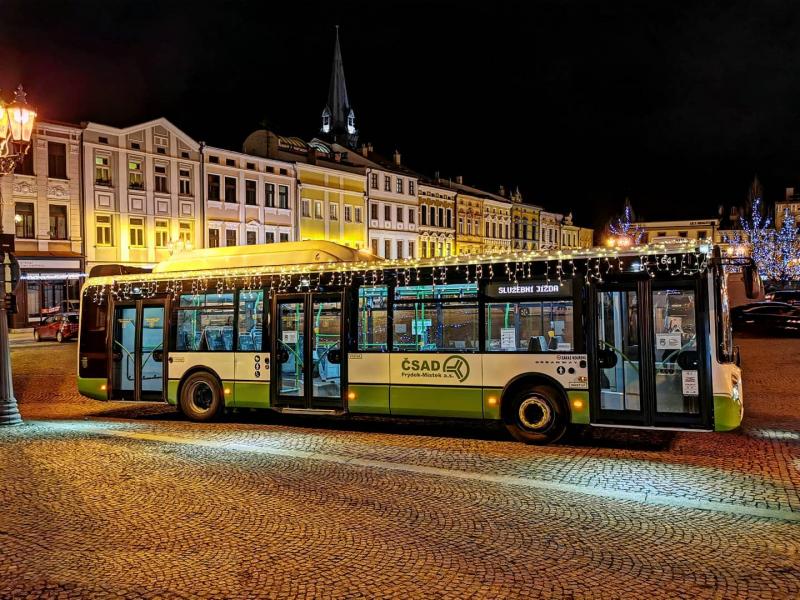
(201, 397)
(535, 415)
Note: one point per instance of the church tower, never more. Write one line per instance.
(338, 118)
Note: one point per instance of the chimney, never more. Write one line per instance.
(502, 191)
(312, 156)
(337, 156)
(396, 158)
(459, 180)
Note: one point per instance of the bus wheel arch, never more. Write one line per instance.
(535, 409)
(200, 395)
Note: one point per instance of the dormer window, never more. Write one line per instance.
(351, 123)
(326, 121)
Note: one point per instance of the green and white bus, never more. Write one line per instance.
(538, 340)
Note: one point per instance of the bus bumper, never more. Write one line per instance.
(93, 388)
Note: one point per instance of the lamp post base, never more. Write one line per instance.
(9, 413)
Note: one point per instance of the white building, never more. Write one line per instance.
(549, 230)
(42, 207)
(142, 196)
(249, 199)
(437, 220)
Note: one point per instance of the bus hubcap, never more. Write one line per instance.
(202, 396)
(534, 413)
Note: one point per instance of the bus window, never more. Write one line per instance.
(250, 321)
(93, 339)
(372, 321)
(676, 356)
(436, 318)
(205, 323)
(545, 326)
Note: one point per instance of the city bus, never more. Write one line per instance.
(539, 341)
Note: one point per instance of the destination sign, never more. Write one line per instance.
(534, 289)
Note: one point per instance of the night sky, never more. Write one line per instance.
(579, 103)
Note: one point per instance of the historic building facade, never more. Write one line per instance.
(496, 225)
(42, 208)
(437, 220)
(549, 230)
(525, 223)
(469, 223)
(142, 193)
(249, 199)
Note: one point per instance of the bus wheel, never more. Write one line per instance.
(535, 415)
(201, 397)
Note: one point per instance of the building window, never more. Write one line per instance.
(441, 248)
(269, 237)
(230, 189)
(185, 231)
(423, 246)
(284, 237)
(317, 209)
(399, 248)
(449, 249)
(348, 213)
(399, 214)
(252, 238)
(230, 237)
(230, 162)
(410, 189)
(23, 218)
(56, 160)
(135, 174)
(423, 214)
(269, 189)
(161, 179)
(26, 166)
(432, 216)
(411, 216)
(702, 234)
(162, 233)
(249, 192)
(251, 166)
(102, 170)
(213, 238)
(411, 249)
(374, 243)
(283, 172)
(185, 182)
(58, 222)
(399, 186)
(104, 233)
(374, 181)
(373, 211)
(487, 229)
(333, 211)
(441, 217)
(683, 234)
(213, 187)
(387, 212)
(460, 224)
(213, 159)
(283, 196)
(469, 227)
(137, 232)
(358, 214)
(387, 248)
(432, 247)
(387, 183)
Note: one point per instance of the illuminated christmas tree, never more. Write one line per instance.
(624, 232)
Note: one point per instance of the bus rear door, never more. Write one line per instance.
(137, 350)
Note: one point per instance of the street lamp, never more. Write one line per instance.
(16, 127)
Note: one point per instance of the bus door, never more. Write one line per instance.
(648, 369)
(308, 352)
(137, 350)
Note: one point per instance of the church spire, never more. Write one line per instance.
(338, 119)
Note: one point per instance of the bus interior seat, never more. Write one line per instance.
(535, 344)
(555, 341)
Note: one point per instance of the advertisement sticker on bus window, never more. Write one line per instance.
(419, 326)
(400, 328)
(289, 337)
(508, 338)
(668, 341)
(690, 383)
(563, 347)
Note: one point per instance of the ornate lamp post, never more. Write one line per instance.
(16, 127)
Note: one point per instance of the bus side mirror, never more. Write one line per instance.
(688, 360)
(753, 288)
(283, 356)
(606, 358)
(335, 356)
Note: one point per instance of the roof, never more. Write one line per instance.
(138, 126)
(312, 252)
(249, 261)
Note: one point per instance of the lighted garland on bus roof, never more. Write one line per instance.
(407, 271)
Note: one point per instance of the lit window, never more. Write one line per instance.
(135, 174)
(185, 233)
(162, 233)
(58, 222)
(102, 170)
(358, 214)
(348, 213)
(306, 208)
(333, 210)
(104, 233)
(317, 209)
(137, 232)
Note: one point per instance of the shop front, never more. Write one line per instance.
(49, 281)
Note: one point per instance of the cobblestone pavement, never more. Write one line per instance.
(121, 500)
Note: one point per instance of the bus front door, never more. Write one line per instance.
(648, 359)
(137, 351)
(308, 352)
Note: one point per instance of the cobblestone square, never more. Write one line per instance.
(127, 501)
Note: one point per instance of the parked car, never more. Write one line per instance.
(59, 327)
(788, 296)
(766, 318)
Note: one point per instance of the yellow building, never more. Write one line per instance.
(469, 224)
(332, 204)
(525, 219)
